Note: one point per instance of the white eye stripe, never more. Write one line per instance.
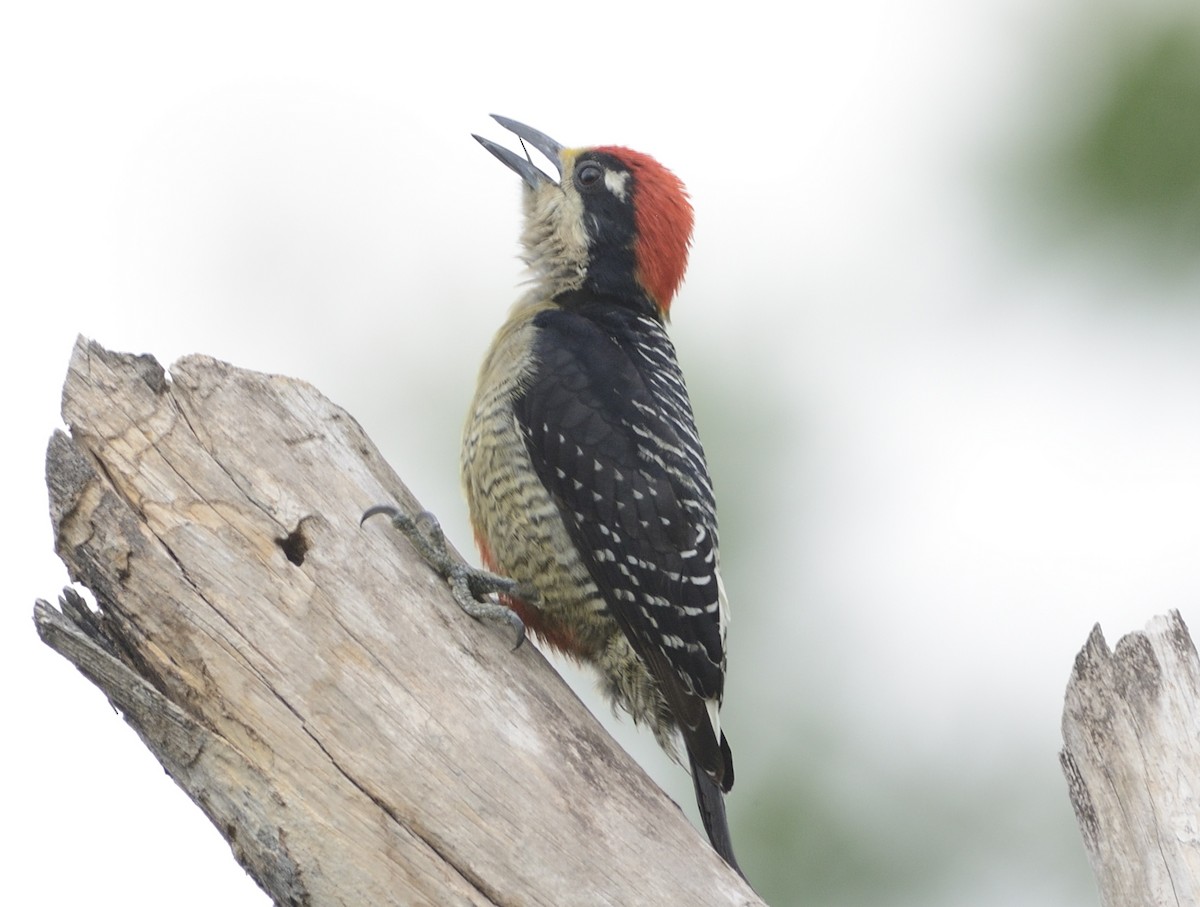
(617, 182)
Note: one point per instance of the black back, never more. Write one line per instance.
(610, 431)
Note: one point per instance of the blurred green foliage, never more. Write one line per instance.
(1131, 164)
(1140, 157)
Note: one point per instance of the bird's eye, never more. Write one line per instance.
(588, 174)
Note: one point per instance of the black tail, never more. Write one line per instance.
(711, 801)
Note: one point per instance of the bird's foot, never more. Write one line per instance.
(472, 588)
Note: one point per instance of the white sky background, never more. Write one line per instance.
(981, 452)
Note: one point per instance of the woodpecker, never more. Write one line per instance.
(587, 485)
(583, 470)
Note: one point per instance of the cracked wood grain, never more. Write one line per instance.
(310, 683)
(1131, 729)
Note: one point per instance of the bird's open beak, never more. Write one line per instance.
(522, 165)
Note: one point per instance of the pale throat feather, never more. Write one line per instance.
(555, 240)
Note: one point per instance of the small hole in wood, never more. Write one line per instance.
(295, 546)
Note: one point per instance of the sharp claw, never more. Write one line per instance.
(519, 626)
(388, 509)
(398, 517)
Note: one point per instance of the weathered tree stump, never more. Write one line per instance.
(311, 684)
(1131, 729)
